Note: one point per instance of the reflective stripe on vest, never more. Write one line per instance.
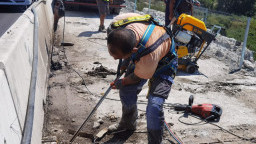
(145, 18)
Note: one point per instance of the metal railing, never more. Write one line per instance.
(28, 126)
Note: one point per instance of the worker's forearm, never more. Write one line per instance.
(171, 9)
(131, 79)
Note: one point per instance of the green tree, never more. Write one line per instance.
(208, 3)
(239, 7)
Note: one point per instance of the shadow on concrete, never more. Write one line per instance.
(182, 73)
(119, 138)
(87, 33)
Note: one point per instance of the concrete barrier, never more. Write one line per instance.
(16, 56)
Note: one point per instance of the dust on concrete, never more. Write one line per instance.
(87, 69)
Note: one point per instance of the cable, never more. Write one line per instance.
(179, 119)
(83, 81)
(63, 38)
(168, 106)
(172, 134)
(208, 122)
(228, 131)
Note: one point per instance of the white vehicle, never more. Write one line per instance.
(16, 2)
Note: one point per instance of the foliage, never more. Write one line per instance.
(156, 5)
(239, 7)
(251, 42)
(141, 5)
(234, 27)
(208, 3)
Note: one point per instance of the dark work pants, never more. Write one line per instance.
(154, 112)
(167, 12)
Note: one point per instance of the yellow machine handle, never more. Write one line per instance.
(188, 22)
(198, 54)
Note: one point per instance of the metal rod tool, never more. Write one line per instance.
(98, 104)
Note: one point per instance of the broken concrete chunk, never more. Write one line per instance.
(249, 65)
(112, 118)
(100, 121)
(96, 125)
(102, 133)
(49, 140)
(101, 71)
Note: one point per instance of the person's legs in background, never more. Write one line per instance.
(167, 12)
(103, 7)
(102, 18)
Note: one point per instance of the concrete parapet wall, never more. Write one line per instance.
(16, 56)
(9, 127)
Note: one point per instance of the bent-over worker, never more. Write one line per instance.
(159, 66)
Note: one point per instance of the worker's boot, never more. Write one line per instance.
(101, 28)
(155, 136)
(128, 120)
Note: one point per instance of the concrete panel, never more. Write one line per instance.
(16, 54)
(10, 132)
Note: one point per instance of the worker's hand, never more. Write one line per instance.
(172, 22)
(123, 68)
(117, 84)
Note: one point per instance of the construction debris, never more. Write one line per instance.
(82, 134)
(102, 133)
(96, 125)
(101, 71)
(50, 140)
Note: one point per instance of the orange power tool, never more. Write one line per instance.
(210, 112)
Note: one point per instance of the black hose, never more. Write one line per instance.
(119, 67)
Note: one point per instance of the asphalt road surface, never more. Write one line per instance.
(8, 16)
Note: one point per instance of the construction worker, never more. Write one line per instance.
(158, 64)
(174, 8)
(103, 7)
